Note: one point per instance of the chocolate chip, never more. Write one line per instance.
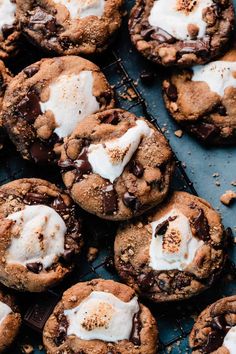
(136, 328)
(162, 36)
(31, 70)
(29, 107)
(131, 201)
(201, 226)
(204, 131)
(34, 267)
(7, 30)
(41, 153)
(109, 199)
(171, 92)
(147, 77)
(111, 118)
(41, 20)
(162, 227)
(136, 168)
(36, 198)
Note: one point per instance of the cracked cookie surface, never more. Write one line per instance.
(40, 234)
(116, 165)
(90, 319)
(174, 252)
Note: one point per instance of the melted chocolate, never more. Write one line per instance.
(155, 33)
(111, 118)
(216, 336)
(31, 70)
(41, 20)
(61, 331)
(34, 267)
(29, 106)
(41, 153)
(162, 227)
(135, 334)
(137, 169)
(131, 202)
(36, 198)
(201, 226)
(109, 200)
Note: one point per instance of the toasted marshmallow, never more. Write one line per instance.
(83, 8)
(174, 17)
(110, 158)
(7, 13)
(218, 75)
(230, 340)
(40, 236)
(102, 316)
(71, 100)
(176, 247)
(5, 310)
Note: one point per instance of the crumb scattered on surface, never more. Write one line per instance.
(179, 133)
(233, 183)
(92, 254)
(228, 197)
(217, 183)
(216, 174)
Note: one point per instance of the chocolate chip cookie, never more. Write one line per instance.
(70, 27)
(174, 252)
(116, 165)
(100, 316)
(181, 32)
(10, 319)
(5, 77)
(9, 29)
(39, 234)
(215, 328)
(44, 103)
(203, 99)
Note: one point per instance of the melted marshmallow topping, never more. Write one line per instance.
(176, 247)
(83, 8)
(102, 316)
(110, 158)
(218, 75)
(40, 236)
(230, 340)
(5, 310)
(71, 100)
(169, 16)
(7, 13)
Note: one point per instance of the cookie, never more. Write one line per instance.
(100, 317)
(44, 103)
(10, 319)
(181, 32)
(9, 29)
(70, 27)
(203, 99)
(5, 77)
(40, 234)
(215, 328)
(173, 253)
(116, 165)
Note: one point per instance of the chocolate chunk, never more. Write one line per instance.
(162, 36)
(58, 204)
(29, 106)
(68, 255)
(162, 227)
(135, 333)
(111, 118)
(204, 131)
(109, 199)
(62, 330)
(201, 226)
(31, 70)
(147, 77)
(171, 92)
(36, 198)
(41, 153)
(131, 201)
(7, 30)
(41, 20)
(146, 281)
(34, 267)
(137, 169)
(82, 163)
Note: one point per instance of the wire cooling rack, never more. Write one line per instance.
(175, 320)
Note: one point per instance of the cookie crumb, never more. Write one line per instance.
(233, 183)
(179, 133)
(92, 254)
(27, 348)
(228, 197)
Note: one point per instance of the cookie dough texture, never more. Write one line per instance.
(32, 129)
(10, 325)
(145, 179)
(50, 25)
(132, 257)
(5, 77)
(57, 341)
(10, 31)
(206, 114)
(162, 48)
(212, 325)
(16, 196)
